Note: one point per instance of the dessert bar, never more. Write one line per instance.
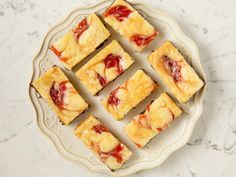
(107, 65)
(60, 95)
(157, 117)
(101, 141)
(130, 24)
(79, 42)
(121, 100)
(176, 73)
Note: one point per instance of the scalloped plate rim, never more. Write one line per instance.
(169, 150)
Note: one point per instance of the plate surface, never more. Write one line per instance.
(159, 148)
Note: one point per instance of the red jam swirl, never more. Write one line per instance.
(58, 53)
(159, 129)
(120, 12)
(102, 80)
(57, 93)
(173, 68)
(110, 61)
(148, 107)
(99, 128)
(116, 153)
(113, 99)
(113, 61)
(81, 27)
(142, 120)
(142, 40)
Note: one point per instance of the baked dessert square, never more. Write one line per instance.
(157, 117)
(81, 41)
(129, 94)
(129, 23)
(176, 73)
(60, 95)
(107, 65)
(100, 140)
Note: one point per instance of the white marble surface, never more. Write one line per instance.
(25, 152)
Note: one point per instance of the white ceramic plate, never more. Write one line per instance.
(159, 148)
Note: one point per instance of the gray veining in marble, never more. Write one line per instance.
(211, 151)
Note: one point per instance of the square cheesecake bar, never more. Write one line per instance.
(157, 117)
(130, 24)
(60, 95)
(124, 98)
(79, 42)
(107, 65)
(101, 141)
(176, 73)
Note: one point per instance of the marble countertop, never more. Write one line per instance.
(211, 151)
